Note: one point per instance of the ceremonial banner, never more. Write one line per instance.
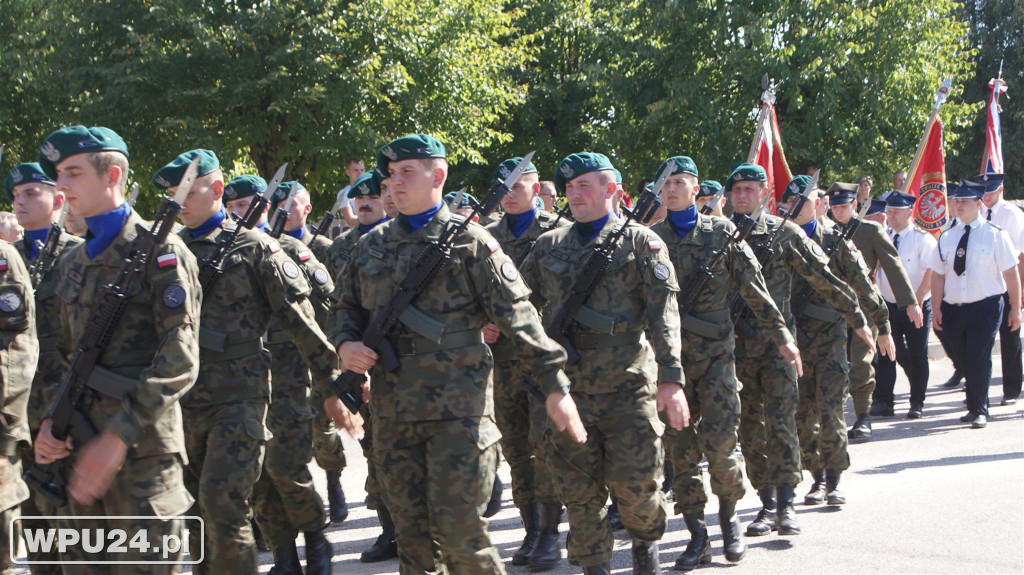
(927, 181)
(766, 149)
(992, 160)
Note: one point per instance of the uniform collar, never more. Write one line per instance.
(364, 229)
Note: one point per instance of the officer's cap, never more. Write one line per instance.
(877, 207)
(418, 146)
(968, 190)
(244, 187)
(576, 165)
(24, 174)
(841, 193)
(171, 174)
(899, 199)
(74, 140)
(991, 181)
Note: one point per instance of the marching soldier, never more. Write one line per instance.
(712, 391)
(621, 377)
(37, 204)
(435, 440)
(225, 412)
(133, 466)
(768, 434)
(520, 418)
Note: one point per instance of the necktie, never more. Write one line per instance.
(960, 260)
(896, 241)
(990, 214)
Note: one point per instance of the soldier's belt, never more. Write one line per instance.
(114, 384)
(712, 324)
(822, 313)
(276, 337)
(602, 340)
(413, 345)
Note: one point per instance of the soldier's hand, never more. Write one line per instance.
(672, 401)
(1013, 319)
(865, 334)
(937, 318)
(96, 466)
(48, 448)
(343, 418)
(491, 333)
(915, 316)
(791, 354)
(562, 410)
(357, 357)
(887, 347)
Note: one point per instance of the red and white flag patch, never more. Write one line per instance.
(493, 245)
(3, 265)
(654, 245)
(166, 260)
(303, 256)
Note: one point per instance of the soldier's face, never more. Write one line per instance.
(369, 209)
(413, 185)
(299, 211)
(808, 211)
(240, 206)
(898, 218)
(521, 193)
(703, 202)
(202, 202)
(823, 205)
(746, 195)
(679, 191)
(590, 195)
(387, 199)
(35, 204)
(88, 191)
(842, 212)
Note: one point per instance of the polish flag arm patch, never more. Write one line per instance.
(303, 256)
(654, 245)
(3, 265)
(167, 260)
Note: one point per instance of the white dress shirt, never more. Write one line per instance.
(1010, 218)
(917, 248)
(989, 253)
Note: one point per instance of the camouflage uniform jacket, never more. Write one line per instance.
(480, 284)
(708, 326)
(341, 250)
(877, 249)
(636, 294)
(19, 351)
(793, 253)
(518, 249)
(846, 264)
(259, 282)
(53, 361)
(153, 357)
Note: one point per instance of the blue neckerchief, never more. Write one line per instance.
(364, 229)
(809, 228)
(589, 230)
(684, 221)
(104, 228)
(298, 232)
(417, 221)
(262, 227)
(210, 224)
(33, 236)
(521, 222)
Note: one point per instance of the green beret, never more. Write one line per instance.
(467, 200)
(505, 168)
(74, 140)
(797, 187)
(282, 192)
(708, 188)
(575, 165)
(746, 173)
(841, 193)
(677, 165)
(244, 187)
(24, 174)
(170, 175)
(408, 148)
(365, 185)
(618, 176)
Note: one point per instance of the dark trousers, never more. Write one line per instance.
(969, 332)
(911, 354)
(1010, 350)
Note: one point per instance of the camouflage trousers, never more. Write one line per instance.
(146, 486)
(7, 516)
(436, 478)
(862, 371)
(14, 494)
(327, 445)
(38, 505)
(284, 499)
(521, 419)
(623, 454)
(823, 388)
(225, 445)
(714, 419)
(768, 397)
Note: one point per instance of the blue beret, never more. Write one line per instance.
(505, 168)
(746, 173)
(74, 140)
(418, 146)
(877, 207)
(708, 188)
(24, 174)
(899, 199)
(282, 192)
(365, 185)
(968, 190)
(171, 174)
(244, 187)
(677, 165)
(841, 193)
(575, 165)
(990, 181)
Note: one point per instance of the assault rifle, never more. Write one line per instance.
(47, 255)
(323, 226)
(65, 411)
(281, 214)
(434, 257)
(706, 210)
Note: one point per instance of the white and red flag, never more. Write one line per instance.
(766, 149)
(926, 178)
(992, 160)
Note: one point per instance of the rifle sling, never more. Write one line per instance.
(595, 320)
(213, 346)
(823, 313)
(712, 324)
(603, 340)
(422, 324)
(112, 383)
(410, 345)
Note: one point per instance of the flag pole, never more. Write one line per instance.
(768, 88)
(940, 98)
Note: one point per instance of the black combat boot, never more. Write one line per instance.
(530, 514)
(817, 493)
(547, 553)
(336, 497)
(861, 430)
(319, 553)
(614, 520)
(286, 560)
(602, 569)
(785, 517)
(834, 496)
(698, 550)
(494, 505)
(645, 558)
(732, 538)
(385, 547)
(955, 379)
(765, 521)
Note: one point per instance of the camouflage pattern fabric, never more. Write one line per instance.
(614, 387)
